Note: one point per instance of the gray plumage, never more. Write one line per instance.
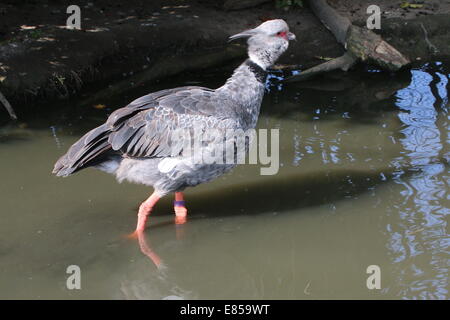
(135, 142)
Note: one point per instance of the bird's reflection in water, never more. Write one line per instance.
(146, 249)
(151, 283)
(145, 245)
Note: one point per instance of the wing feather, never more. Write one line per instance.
(145, 126)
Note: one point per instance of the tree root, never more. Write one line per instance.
(344, 62)
(8, 107)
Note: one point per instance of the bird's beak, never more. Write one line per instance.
(291, 36)
(243, 34)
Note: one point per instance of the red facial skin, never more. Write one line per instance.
(282, 34)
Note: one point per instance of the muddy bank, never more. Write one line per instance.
(133, 43)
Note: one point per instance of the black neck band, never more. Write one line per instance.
(259, 72)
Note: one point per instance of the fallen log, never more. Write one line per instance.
(361, 44)
(344, 62)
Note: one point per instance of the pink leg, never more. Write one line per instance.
(144, 210)
(180, 208)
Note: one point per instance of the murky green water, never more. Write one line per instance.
(364, 181)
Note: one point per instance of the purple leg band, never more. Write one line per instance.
(179, 203)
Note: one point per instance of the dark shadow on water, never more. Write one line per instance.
(280, 194)
(300, 191)
(362, 96)
(14, 132)
(13, 138)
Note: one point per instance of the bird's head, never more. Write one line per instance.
(267, 42)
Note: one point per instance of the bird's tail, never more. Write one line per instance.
(87, 151)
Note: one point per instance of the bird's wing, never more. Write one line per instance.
(146, 127)
(142, 128)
